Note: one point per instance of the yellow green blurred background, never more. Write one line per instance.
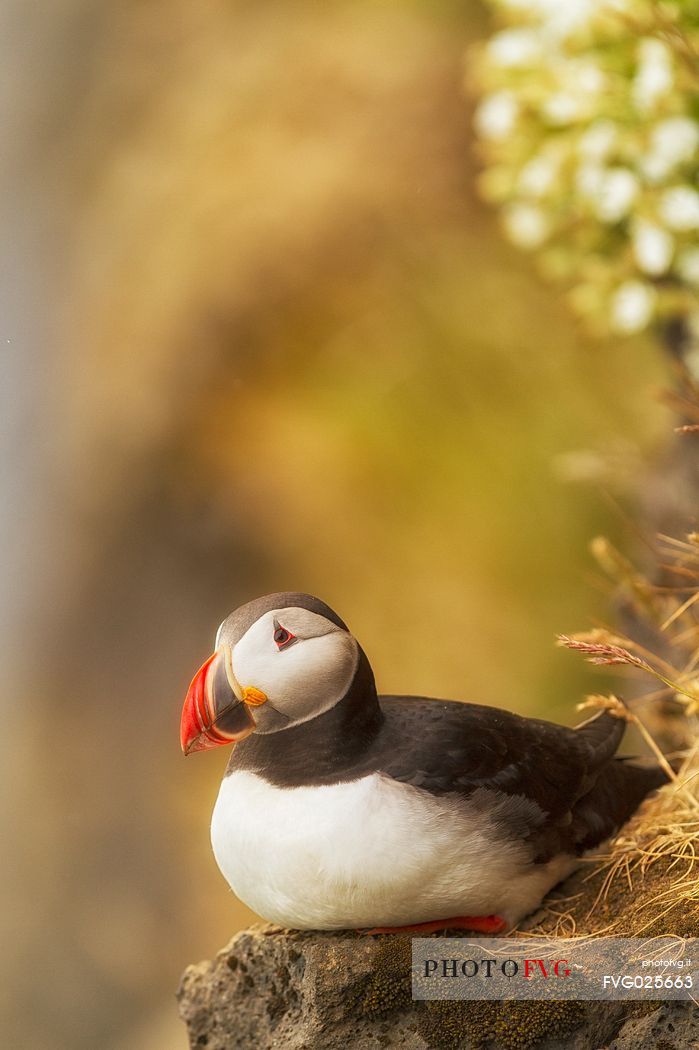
(258, 334)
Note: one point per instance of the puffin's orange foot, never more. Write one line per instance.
(477, 923)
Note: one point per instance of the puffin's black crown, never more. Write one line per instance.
(234, 626)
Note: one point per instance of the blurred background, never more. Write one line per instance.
(258, 333)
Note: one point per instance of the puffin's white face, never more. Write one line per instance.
(300, 661)
(273, 668)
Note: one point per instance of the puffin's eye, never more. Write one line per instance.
(282, 637)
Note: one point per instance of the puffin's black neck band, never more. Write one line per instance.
(321, 750)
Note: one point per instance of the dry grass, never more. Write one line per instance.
(647, 884)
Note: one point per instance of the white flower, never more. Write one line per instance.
(537, 176)
(672, 142)
(496, 115)
(656, 166)
(515, 47)
(652, 246)
(688, 266)
(588, 180)
(597, 142)
(654, 75)
(632, 306)
(679, 208)
(615, 194)
(585, 77)
(563, 107)
(526, 225)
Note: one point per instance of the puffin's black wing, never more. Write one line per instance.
(560, 788)
(444, 746)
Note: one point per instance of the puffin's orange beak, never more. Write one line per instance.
(216, 708)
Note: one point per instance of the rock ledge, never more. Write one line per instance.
(271, 988)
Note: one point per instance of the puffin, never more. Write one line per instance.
(343, 809)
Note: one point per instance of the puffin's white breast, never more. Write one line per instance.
(370, 852)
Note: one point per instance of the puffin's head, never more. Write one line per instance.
(278, 661)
